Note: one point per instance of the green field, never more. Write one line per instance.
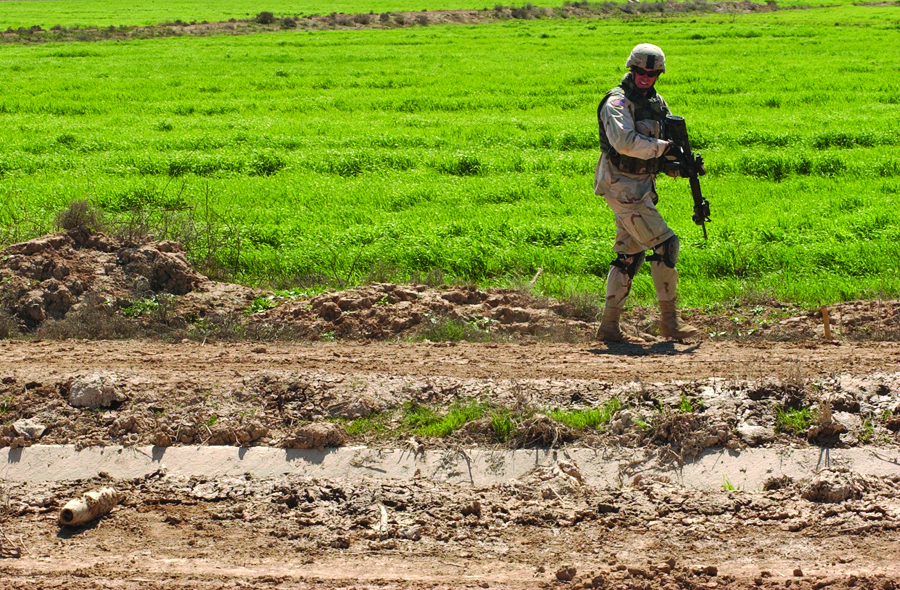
(103, 13)
(303, 157)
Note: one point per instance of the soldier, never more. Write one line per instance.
(630, 118)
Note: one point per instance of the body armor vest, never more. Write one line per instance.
(645, 107)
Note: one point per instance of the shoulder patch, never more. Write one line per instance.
(618, 102)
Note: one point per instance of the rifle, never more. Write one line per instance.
(690, 166)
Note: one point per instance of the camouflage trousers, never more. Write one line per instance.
(640, 227)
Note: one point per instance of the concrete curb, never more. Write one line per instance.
(746, 469)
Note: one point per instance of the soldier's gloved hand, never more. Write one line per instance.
(673, 152)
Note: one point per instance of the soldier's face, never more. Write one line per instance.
(644, 79)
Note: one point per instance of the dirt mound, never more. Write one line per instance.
(49, 277)
(385, 310)
(80, 284)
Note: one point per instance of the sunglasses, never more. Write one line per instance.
(643, 72)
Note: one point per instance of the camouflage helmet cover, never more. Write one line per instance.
(647, 57)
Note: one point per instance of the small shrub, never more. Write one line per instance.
(453, 330)
(139, 308)
(265, 18)
(80, 213)
(728, 486)
(289, 23)
(94, 320)
(9, 327)
(868, 431)
(687, 406)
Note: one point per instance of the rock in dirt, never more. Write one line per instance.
(566, 573)
(96, 390)
(317, 435)
(29, 428)
(755, 435)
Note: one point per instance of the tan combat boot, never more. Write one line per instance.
(610, 331)
(609, 325)
(671, 326)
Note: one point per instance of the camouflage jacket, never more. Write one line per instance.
(630, 126)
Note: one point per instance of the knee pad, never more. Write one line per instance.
(629, 263)
(667, 252)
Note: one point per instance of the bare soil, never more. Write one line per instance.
(204, 371)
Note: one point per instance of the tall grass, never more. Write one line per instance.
(470, 149)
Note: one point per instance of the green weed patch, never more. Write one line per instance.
(793, 421)
(581, 419)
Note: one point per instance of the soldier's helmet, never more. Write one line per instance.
(647, 57)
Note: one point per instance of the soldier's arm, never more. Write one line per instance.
(620, 129)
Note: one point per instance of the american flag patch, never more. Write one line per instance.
(619, 102)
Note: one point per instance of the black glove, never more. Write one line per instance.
(673, 152)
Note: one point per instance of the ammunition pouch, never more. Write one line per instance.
(631, 165)
(670, 168)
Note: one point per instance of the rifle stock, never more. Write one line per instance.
(691, 167)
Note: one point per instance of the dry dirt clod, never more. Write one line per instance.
(95, 390)
(566, 573)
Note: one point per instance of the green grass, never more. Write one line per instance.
(304, 158)
(141, 307)
(503, 425)
(793, 421)
(377, 423)
(728, 486)
(437, 422)
(868, 431)
(426, 421)
(581, 419)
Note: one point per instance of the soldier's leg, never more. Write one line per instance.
(618, 286)
(663, 271)
(665, 281)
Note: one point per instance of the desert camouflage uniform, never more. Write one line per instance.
(633, 197)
